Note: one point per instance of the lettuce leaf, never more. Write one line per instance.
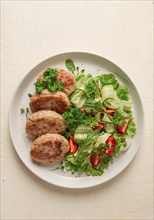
(131, 130)
(91, 89)
(120, 142)
(85, 168)
(108, 79)
(122, 92)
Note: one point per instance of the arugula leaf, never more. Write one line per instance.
(123, 92)
(70, 65)
(85, 147)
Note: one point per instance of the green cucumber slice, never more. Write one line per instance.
(98, 116)
(102, 139)
(109, 127)
(78, 98)
(113, 103)
(80, 82)
(107, 92)
(106, 118)
(127, 105)
(81, 133)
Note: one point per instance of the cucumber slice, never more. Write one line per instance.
(106, 118)
(78, 98)
(113, 103)
(107, 92)
(81, 133)
(102, 139)
(98, 116)
(80, 76)
(127, 105)
(80, 82)
(88, 76)
(109, 127)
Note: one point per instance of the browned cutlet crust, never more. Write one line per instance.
(43, 122)
(49, 148)
(55, 101)
(68, 79)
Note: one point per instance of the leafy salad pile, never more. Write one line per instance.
(99, 121)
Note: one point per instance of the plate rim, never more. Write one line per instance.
(39, 64)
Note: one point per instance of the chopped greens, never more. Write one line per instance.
(122, 92)
(22, 110)
(91, 89)
(48, 82)
(29, 95)
(75, 116)
(100, 120)
(25, 111)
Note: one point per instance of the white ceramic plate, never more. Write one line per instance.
(92, 64)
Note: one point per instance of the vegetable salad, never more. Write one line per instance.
(99, 121)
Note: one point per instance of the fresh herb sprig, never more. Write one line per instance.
(118, 118)
(122, 92)
(91, 89)
(74, 117)
(70, 65)
(75, 70)
(25, 111)
(49, 82)
(90, 104)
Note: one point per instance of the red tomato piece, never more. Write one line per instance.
(122, 128)
(73, 145)
(94, 159)
(99, 126)
(109, 111)
(83, 109)
(111, 142)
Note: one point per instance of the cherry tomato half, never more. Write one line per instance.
(122, 128)
(73, 145)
